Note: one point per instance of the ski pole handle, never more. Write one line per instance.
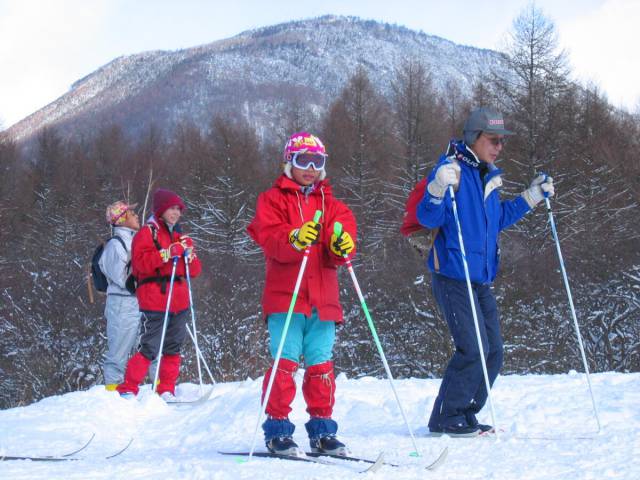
(316, 217)
(337, 229)
(544, 194)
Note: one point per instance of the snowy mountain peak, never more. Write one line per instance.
(257, 72)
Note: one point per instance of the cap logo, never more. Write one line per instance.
(496, 121)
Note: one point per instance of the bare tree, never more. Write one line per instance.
(539, 79)
(356, 132)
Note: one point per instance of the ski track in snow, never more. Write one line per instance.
(181, 442)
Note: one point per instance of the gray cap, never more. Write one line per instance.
(483, 120)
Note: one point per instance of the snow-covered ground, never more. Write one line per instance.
(173, 442)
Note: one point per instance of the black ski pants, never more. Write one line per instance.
(462, 392)
(151, 333)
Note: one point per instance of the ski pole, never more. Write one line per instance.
(199, 352)
(274, 369)
(193, 318)
(164, 322)
(337, 230)
(573, 310)
(473, 308)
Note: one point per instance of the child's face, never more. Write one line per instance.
(131, 220)
(305, 177)
(172, 215)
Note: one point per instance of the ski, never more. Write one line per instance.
(69, 457)
(375, 464)
(93, 435)
(432, 466)
(192, 403)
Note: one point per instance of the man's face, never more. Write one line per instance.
(172, 215)
(305, 177)
(488, 146)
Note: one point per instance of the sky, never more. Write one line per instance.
(47, 45)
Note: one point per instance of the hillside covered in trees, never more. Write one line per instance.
(53, 196)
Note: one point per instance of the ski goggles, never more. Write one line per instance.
(304, 160)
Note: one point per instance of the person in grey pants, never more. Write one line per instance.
(121, 309)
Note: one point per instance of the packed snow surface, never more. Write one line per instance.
(548, 431)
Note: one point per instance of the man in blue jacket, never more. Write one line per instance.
(468, 166)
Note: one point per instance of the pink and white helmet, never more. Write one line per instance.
(302, 142)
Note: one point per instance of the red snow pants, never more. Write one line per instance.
(318, 388)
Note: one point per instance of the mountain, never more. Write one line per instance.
(256, 73)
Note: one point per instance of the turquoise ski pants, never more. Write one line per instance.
(307, 337)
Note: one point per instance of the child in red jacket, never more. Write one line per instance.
(283, 226)
(152, 251)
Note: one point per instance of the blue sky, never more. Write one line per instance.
(46, 45)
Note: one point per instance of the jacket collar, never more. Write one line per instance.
(124, 231)
(158, 224)
(462, 153)
(285, 183)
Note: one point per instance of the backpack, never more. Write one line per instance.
(98, 278)
(419, 237)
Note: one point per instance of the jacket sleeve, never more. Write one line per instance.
(270, 229)
(113, 263)
(512, 210)
(340, 213)
(195, 267)
(145, 257)
(431, 210)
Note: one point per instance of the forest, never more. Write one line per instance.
(53, 194)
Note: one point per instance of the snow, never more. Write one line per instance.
(549, 432)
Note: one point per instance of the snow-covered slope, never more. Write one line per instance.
(256, 73)
(549, 433)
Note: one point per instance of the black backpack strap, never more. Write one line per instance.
(154, 236)
(120, 240)
(162, 280)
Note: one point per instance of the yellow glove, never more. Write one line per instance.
(342, 245)
(304, 236)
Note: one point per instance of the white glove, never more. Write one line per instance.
(447, 174)
(541, 187)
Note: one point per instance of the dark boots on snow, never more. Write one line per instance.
(322, 437)
(330, 445)
(457, 430)
(283, 446)
(278, 437)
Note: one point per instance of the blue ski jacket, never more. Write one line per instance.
(482, 216)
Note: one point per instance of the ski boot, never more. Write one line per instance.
(168, 397)
(459, 430)
(330, 445)
(473, 422)
(284, 446)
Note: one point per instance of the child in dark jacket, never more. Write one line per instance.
(283, 226)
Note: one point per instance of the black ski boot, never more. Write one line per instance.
(457, 430)
(330, 445)
(284, 446)
(473, 422)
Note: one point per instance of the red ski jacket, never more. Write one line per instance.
(282, 208)
(146, 263)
